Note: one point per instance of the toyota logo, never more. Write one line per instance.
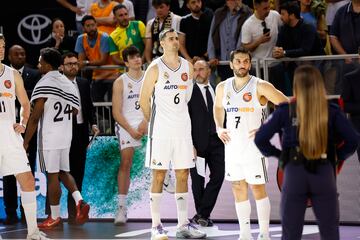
(32, 29)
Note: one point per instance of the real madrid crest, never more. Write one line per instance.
(130, 85)
(247, 97)
(184, 77)
(166, 75)
(7, 84)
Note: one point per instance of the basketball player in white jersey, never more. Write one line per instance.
(164, 96)
(244, 98)
(13, 159)
(54, 99)
(130, 123)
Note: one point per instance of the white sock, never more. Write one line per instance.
(55, 211)
(182, 208)
(243, 211)
(77, 196)
(155, 199)
(122, 200)
(28, 200)
(263, 211)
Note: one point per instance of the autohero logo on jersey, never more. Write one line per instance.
(131, 96)
(239, 109)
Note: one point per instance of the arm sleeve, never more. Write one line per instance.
(210, 46)
(271, 126)
(347, 133)
(308, 39)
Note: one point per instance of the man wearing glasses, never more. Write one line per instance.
(84, 119)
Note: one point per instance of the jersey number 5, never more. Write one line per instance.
(59, 107)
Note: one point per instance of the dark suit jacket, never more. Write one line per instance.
(200, 121)
(350, 93)
(30, 77)
(87, 107)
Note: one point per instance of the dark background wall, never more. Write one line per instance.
(28, 23)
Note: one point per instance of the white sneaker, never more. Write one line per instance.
(189, 231)
(263, 236)
(38, 235)
(121, 216)
(158, 233)
(169, 182)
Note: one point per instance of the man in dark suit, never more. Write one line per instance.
(17, 59)
(351, 97)
(207, 145)
(81, 123)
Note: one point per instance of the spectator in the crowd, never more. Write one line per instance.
(195, 29)
(225, 35)
(81, 9)
(101, 10)
(127, 33)
(93, 50)
(59, 38)
(260, 31)
(332, 6)
(80, 131)
(295, 39)
(345, 38)
(164, 20)
(17, 59)
(313, 13)
(129, 6)
(351, 97)
(344, 32)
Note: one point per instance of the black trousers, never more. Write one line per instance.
(205, 196)
(77, 159)
(9, 182)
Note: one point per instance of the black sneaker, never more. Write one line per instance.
(195, 219)
(205, 222)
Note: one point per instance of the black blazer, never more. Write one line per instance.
(87, 107)
(350, 93)
(200, 121)
(30, 77)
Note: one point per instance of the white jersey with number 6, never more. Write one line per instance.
(169, 110)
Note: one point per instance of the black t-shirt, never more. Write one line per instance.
(197, 32)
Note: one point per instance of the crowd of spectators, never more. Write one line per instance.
(210, 30)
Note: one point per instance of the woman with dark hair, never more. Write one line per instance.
(311, 131)
(59, 39)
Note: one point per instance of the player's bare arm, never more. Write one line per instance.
(191, 85)
(219, 114)
(24, 102)
(147, 88)
(117, 103)
(267, 90)
(34, 118)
